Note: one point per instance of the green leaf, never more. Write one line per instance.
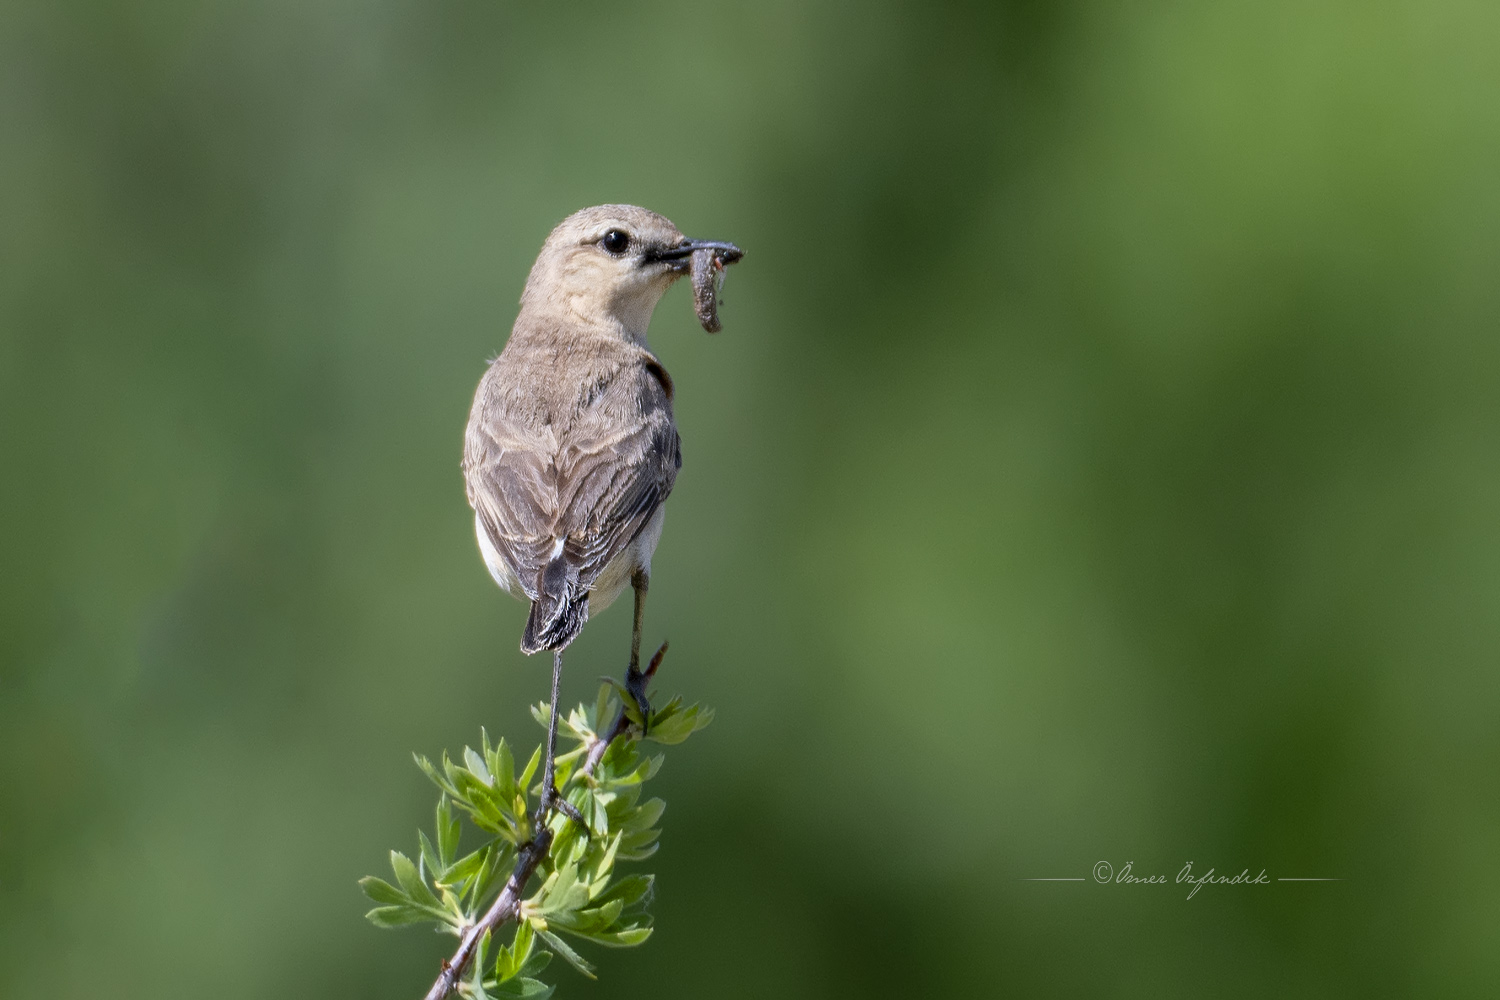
(628, 937)
(439, 778)
(598, 816)
(601, 707)
(627, 890)
(639, 846)
(604, 866)
(505, 771)
(412, 881)
(524, 781)
(628, 704)
(586, 921)
(429, 857)
(496, 869)
(573, 726)
(564, 763)
(672, 723)
(509, 961)
(472, 990)
(381, 891)
(539, 960)
(464, 868)
(477, 767)
(680, 726)
(645, 816)
(572, 957)
(448, 830)
(562, 892)
(642, 772)
(396, 916)
(520, 989)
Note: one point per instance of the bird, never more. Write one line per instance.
(571, 448)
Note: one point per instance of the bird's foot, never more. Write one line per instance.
(552, 800)
(635, 685)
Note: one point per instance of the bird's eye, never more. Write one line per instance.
(615, 241)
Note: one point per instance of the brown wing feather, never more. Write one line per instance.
(590, 469)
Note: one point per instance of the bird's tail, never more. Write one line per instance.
(559, 611)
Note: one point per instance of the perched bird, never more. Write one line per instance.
(571, 449)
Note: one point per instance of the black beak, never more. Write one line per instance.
(678, 255)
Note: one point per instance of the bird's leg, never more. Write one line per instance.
(635, 679)
(551, 797)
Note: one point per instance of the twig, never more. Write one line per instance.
(598, 747)
(509, 901)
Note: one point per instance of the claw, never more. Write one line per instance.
(635, 683)
(655, 661)
(553, 800)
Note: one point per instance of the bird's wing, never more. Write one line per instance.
(591, 488)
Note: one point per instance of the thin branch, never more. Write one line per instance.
(509, 901)
(598, 747)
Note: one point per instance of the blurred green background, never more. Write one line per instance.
(1101, 462)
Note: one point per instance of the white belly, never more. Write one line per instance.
(621, 568)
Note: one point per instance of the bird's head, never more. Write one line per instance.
(609, 265)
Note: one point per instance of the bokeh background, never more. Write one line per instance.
(1100, 462)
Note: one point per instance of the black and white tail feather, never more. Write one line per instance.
(560, 610)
